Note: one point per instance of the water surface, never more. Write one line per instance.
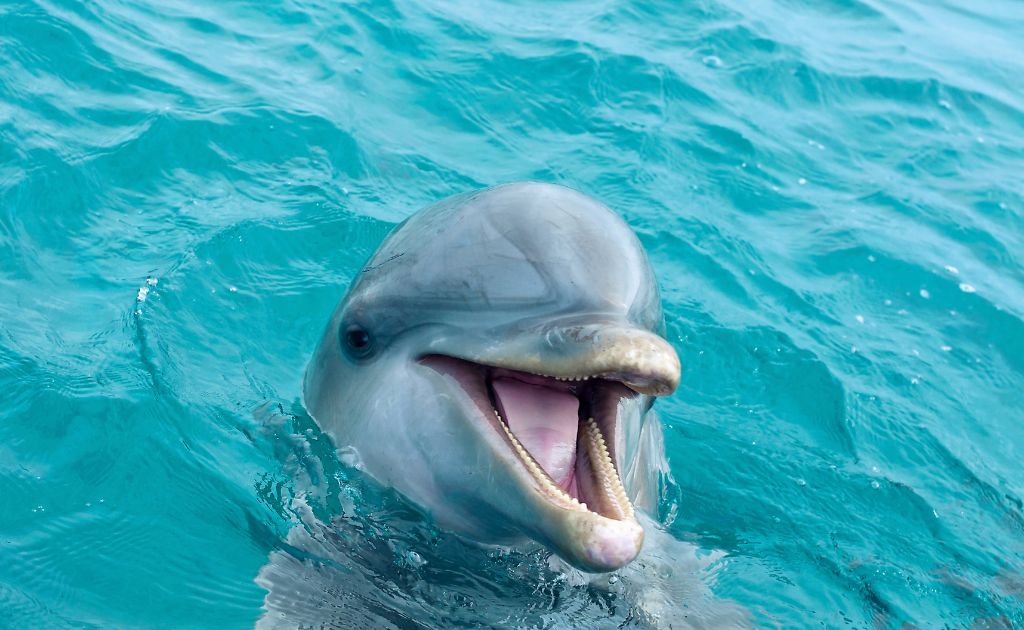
(830, 193)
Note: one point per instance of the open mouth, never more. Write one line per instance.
(561, 429)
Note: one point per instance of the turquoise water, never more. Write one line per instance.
(830, 192)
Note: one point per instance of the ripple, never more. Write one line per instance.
(805, 177)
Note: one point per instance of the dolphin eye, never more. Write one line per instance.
(357, 340)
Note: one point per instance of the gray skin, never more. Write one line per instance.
(530, 277)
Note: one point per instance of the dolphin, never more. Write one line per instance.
(496, 362)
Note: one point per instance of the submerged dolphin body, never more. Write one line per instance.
(496, 361)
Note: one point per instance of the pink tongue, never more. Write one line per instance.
(545, 421)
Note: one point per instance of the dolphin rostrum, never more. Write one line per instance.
(496, 361)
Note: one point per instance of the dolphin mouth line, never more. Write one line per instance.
(561, 430)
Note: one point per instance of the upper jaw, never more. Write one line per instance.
(614, 351)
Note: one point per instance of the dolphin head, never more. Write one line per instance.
(495, 361)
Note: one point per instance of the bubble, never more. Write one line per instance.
(924, 293)
(967, 288)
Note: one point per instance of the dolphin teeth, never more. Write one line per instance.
(572, 379)
(601, 465)
(537, 472)
(604, 470)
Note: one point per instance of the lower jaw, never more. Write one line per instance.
(595, 530)
(588, 541)
(595, 478)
